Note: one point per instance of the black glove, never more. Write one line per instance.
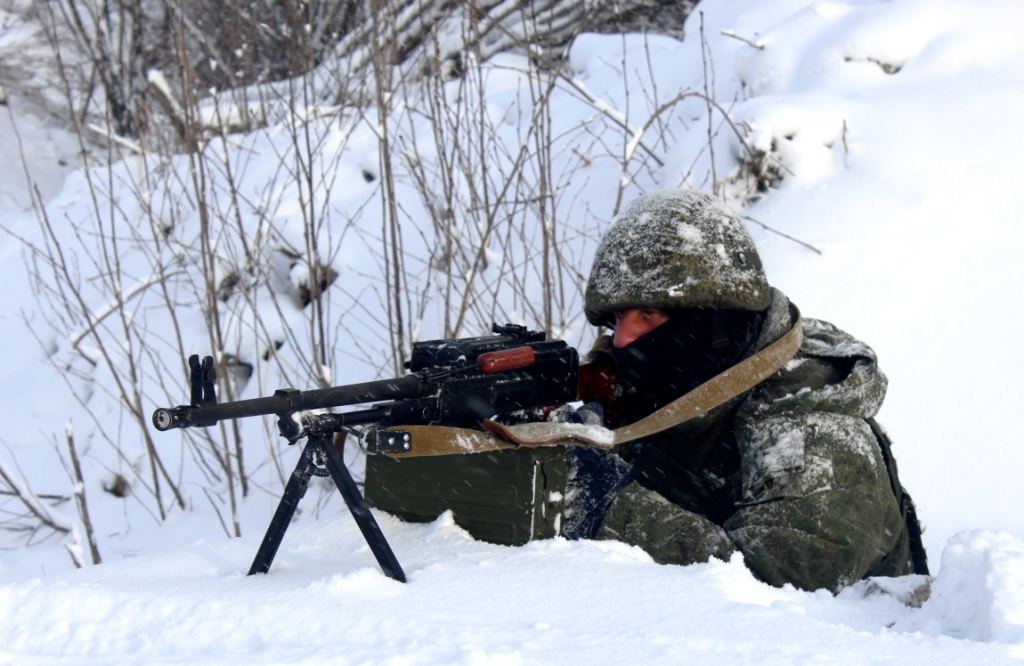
(593, 479)
(589, 413)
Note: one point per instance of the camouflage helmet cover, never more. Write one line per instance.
(675, 249)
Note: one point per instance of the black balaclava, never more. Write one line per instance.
(694, 345)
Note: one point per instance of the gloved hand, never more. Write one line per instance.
(593, 479)
(589, 413)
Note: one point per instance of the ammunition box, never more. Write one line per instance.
(503, 497)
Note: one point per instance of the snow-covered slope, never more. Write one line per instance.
(466, 602)
(897, 125)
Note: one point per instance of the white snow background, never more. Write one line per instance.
(908, 180)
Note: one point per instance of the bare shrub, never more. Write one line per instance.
(758, 172)
(293, 265)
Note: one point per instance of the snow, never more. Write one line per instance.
(896, 127)
(468, 602)
(978, 595)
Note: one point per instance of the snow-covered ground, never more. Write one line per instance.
(898, 124)
(466, 602)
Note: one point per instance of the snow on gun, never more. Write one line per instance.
(454, 384)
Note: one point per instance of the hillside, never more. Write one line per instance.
(883, 134)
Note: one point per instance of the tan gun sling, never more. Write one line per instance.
(745, 375)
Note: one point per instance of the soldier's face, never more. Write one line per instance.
(631, 325)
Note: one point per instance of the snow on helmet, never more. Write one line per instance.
(675, 249)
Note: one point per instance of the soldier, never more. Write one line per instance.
(794, 473)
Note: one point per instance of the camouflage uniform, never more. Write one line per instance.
(792, 473)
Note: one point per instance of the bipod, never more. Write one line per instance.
(320, 449)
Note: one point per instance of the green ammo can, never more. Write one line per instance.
(504, 497)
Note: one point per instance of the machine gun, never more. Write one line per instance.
(457, 382)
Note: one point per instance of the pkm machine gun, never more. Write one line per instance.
(456, 382)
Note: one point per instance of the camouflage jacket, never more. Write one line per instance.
(790, 473)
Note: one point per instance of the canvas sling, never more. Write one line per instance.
(745, 375)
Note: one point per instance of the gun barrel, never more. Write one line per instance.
(399, 388)
(286, 401)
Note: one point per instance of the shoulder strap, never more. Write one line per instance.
(718, 390)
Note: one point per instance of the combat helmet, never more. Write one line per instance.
(675, 249)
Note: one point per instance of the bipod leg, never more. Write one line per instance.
(298, 482)
(360, 510)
